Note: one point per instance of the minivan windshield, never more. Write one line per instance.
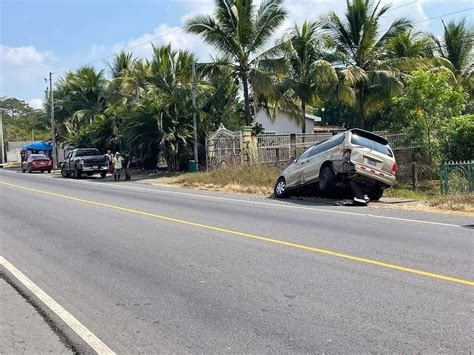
(369, 143)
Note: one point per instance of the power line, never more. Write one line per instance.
(403, 5)
(444, 15)
(127, 48)
(180, 29)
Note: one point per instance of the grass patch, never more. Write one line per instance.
(257, 179)
(461, 202)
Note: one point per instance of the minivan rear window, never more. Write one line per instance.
(371, 144)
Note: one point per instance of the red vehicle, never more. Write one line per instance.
(37, 162)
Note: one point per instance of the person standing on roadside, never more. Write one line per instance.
(126, 165)
(109, 158)
(118, 164)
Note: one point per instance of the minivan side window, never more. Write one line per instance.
(329, 144)
(305, 153)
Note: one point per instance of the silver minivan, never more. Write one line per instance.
(356, 158)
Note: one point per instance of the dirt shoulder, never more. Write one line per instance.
(452, 205)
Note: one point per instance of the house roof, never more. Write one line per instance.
(313, 117)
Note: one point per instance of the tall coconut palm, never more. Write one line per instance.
(239, 30)
(358, 38)
(409, 44)
(308, 76)
(456, 45)
(81, 96)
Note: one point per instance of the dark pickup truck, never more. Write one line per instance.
(84, 161)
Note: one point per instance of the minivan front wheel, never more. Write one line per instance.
(280, 190)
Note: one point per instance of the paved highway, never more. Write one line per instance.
(155, 269)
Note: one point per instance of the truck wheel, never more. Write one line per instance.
(64, 174)
(280, 190)
(103, 174)
(375, 194)
(326, 179)
(77, 174)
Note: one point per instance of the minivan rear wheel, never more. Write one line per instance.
(280, 190)
(375, 194)
(326, 179)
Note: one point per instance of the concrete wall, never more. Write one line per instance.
(282, 124)
(13, 150)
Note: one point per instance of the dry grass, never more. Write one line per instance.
(462, 203)
(247, 179)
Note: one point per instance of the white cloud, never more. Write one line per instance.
(298, 11)
(36, 103)
(22, 70)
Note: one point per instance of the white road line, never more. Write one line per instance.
(94, 342)
(281, 204)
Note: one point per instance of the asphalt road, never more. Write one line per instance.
(154, 269)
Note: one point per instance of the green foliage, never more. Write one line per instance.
(458, 139)
(239, 30)
(429, 102)
(23, 123)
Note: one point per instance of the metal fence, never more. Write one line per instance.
(457, 177)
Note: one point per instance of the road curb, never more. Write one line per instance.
(66, 335)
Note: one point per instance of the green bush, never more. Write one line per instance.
(458, 141)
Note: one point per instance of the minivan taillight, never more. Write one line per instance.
(394, 168)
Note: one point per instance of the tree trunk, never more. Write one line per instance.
(303, 108)
(360, 100)
(245, 83)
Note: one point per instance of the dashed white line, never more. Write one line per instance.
(93, 341)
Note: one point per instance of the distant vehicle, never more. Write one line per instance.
(356, 158)
(84, 161)
(37, 162)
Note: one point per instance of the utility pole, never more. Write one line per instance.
(2, 146)
(53, 131)
(196, 158)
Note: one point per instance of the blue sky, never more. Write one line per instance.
(38, 36)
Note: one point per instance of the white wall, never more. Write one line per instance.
(282, 123)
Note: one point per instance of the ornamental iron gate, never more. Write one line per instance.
(223, 148)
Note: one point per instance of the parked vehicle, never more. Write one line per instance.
(356, 158)
(84, 161)
(37, 162)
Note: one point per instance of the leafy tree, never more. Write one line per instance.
(358, 40)
(21, 122)
(457, 138)
(429, 102)
(240, 31)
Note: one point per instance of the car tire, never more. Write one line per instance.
(280, 190)
(326, 179)
(375, 194)
(103, 174)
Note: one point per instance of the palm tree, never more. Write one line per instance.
(409, 44)
(358, 39)
(81, 96)
(308, 77)
(240, 31)
(123, 85)
(456, 45)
